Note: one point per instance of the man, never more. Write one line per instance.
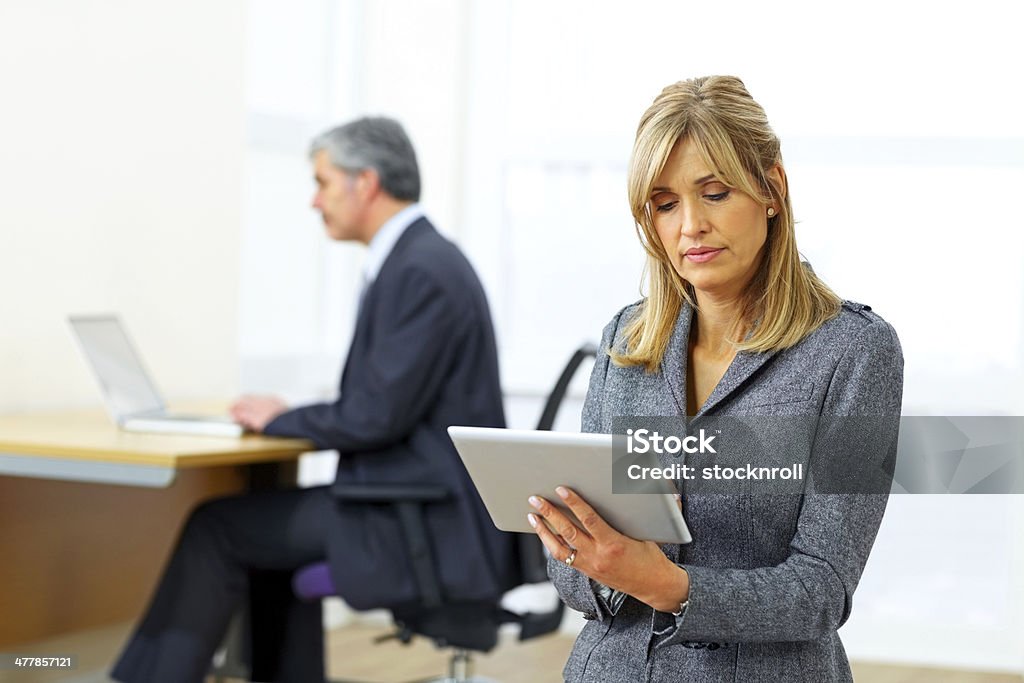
(423, 357)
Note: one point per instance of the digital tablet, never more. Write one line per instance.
(509, 465)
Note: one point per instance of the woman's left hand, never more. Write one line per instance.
(637, 568)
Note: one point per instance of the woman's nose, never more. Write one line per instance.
(692, 221)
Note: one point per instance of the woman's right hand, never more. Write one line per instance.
(599, 551)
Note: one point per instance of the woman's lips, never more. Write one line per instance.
(702, 255)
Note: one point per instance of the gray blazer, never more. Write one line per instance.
(771, 577)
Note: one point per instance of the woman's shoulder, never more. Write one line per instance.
(613, 333)
(856, 327)
(859, 359)
(854, 317)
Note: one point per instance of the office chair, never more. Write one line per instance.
(465, 627)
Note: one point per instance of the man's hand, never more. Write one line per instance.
(254, 412)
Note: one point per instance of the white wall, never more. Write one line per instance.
(121, 156)
(314, 64)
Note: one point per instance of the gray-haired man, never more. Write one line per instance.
(423, 357)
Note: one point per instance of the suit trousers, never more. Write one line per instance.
(231, 550)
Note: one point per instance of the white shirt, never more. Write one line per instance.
(384, 241)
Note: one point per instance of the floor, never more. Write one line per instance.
(353, 655)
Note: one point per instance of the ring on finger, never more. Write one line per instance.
(571, 558)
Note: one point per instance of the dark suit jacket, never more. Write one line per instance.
(423, 358)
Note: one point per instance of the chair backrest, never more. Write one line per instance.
(557, 395)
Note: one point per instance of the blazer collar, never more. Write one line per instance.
(674, 367)
(421, 224)
(387, 237)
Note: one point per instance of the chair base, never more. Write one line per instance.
(471, 679)
(460, 670)
(440, 679)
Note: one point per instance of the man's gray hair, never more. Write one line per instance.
(374, 142)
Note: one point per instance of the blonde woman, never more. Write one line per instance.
(734, 324)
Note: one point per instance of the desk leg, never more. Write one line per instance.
(235, 657)
(266, 476)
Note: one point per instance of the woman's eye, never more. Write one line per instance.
(717, 197)
(664, 208)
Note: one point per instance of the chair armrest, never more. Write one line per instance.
(390, 493)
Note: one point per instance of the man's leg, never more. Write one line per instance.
(207, 579)
(286, 634)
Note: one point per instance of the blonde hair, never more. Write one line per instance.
(784, 301)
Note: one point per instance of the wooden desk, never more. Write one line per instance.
(87, 446)
(88, 513)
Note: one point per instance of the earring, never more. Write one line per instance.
(771, 211)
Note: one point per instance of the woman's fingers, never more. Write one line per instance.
(558, 549)
(559, 522)
(594, 524)
(563, 538)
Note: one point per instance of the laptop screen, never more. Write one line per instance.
(124, 381)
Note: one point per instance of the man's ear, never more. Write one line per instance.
(368, 183)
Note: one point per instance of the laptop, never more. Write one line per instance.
(131, 397)
(509, 465)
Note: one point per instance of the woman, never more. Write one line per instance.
(734, 324)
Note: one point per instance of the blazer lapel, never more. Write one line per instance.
(367, 298)
(393, 260)
(674, 367)
(673, 364)
(743, 366)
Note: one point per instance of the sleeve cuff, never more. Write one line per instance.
(672, 629)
